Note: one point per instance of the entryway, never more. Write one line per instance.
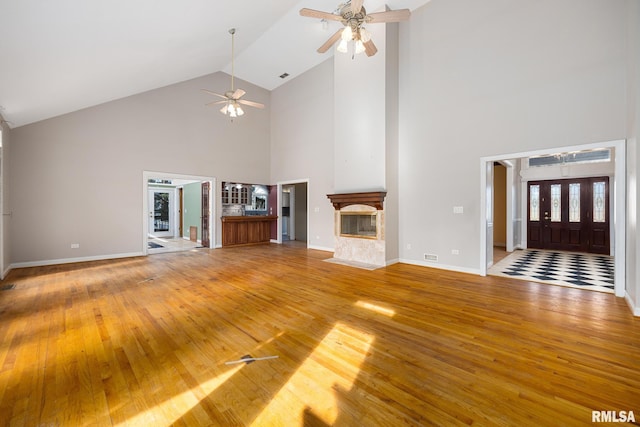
(593, 272)
(293, 218)
(178, 212)
(578, 209)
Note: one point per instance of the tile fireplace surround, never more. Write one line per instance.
(364, 249)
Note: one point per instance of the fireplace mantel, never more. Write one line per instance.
(372, 198)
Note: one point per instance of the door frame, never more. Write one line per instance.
(281, 184)
(147, 175)
(617, 188)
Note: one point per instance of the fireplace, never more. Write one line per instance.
(359, 227)
(359, 224)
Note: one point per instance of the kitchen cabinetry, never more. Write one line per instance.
(246, 230)
(234, 195)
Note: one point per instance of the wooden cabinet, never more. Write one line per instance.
(246, 230)
(236, 195)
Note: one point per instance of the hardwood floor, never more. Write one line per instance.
(144, 341)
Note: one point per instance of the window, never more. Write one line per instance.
(534, 203)
(593, 156)
(599, 209)
(556, 203)
(574, 202)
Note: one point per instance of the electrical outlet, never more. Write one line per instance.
(455, 252)
(75, 245)
(408, 246)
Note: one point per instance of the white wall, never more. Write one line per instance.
(633, 154)
(392, 144)
(5, 230)
(360, 118)
(302, 132)
(497, 77)
(79, 176)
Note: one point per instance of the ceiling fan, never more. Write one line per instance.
(353, 16)
(232, 98)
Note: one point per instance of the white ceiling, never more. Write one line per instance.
(64, 55)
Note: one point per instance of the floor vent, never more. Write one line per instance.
(430, 257)
(7, 287)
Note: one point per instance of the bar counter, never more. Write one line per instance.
(246, 230)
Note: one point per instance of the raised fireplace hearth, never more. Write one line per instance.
(359, 227)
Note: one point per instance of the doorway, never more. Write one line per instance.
(617, 192)
(293, 208)
(178, 212)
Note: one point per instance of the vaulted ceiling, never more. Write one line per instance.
(65, 55)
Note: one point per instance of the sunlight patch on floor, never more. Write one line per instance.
(334, 364)
(376, 308)
(174, 408)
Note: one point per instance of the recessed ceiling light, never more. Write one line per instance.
(284, 75)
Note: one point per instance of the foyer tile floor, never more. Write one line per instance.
(157, 245)
(577, 270)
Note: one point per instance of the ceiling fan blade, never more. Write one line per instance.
(312, 13)
(389, 16)
(356, 5)
(213, 93)
(250, 103)
(238, 94)
(216, 103)
(334, 38)
(370, 48)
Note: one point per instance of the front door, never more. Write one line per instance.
(569, 214)
(161, 213)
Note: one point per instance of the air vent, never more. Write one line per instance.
(430, 257)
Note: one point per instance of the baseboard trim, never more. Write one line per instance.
(72, 260)
(6, 271)
(321, 248)
(635, 310)
(457, 269)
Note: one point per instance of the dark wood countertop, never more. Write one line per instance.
(246, 218)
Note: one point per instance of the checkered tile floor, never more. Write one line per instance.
(578, 270)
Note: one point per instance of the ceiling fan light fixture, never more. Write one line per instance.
(353, 16)
(231, 97)
(359, 47)
(343, 47)
(365, 35)
(347, 33)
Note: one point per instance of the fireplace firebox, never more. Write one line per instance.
(359, 224)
